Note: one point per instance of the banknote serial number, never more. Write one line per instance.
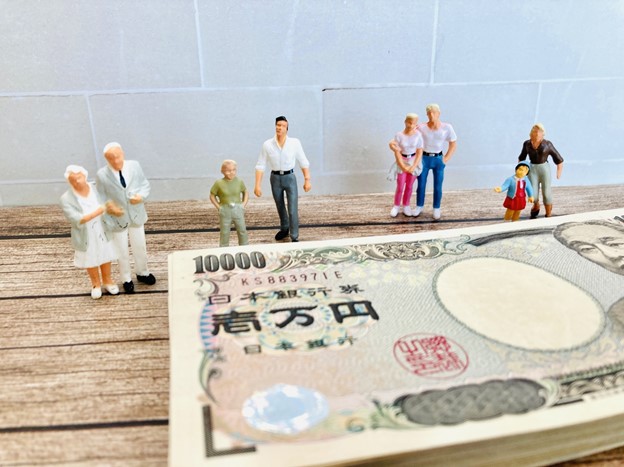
(227, 262)
(290, 278)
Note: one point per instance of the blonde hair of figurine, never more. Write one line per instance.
(411, 116)
(539, 127)
(434, 107)
(228, 162)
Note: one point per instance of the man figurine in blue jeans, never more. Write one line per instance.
(435, 134)
(280, 154)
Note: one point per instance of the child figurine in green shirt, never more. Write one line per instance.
(229, 195)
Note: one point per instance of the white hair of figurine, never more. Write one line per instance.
(434, 107)
(110, 146)
(74, 169)
(411, 116)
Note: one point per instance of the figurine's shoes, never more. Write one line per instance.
(128, 287)
(395, 211)
(437, 213)
(281, 235)
(416, 212)
(407, 211)
(294, 239)
(111, 288)
(149, 279)
(96, 293)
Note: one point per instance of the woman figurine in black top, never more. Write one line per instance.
(538, 149)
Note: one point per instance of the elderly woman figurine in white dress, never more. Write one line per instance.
(83, 210)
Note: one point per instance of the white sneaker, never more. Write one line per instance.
(437, 213)
(111, 289)
(96, 293)
(407, 211)
(416, 212)
(395, 211)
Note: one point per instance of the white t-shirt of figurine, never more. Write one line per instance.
(434, 139)
(409, 143)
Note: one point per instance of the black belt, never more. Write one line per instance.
(432, 154)
(409, 155)
(282, 172)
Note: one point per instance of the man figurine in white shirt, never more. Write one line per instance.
(123, 182)
(435, 134)
(280, 154)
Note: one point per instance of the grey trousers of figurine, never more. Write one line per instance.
(289, 218)
(540, 174)
(236, 214)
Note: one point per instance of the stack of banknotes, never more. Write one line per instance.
(491, 344)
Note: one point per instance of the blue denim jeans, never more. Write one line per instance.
(436, 164)
(287, 185)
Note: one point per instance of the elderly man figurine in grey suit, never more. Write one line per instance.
(123, 182)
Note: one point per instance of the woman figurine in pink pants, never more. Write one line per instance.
(407, 146)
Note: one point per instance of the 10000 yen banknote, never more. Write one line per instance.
(303, 354)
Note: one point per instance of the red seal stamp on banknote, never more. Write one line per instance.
(431, 355)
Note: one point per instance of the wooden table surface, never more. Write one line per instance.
(86, 382)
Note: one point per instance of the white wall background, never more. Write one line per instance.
(183, 84)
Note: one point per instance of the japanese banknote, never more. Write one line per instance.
(329, 352)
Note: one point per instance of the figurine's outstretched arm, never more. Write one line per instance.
(307, 185)
(449, 153)
(143, 189)
(113, 209)
(394, 147)
(257, 189)
(417, 159)
(92, 215)
(529, 190)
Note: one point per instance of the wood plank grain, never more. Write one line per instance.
(82, 320)
(114, 447)
(84, 383)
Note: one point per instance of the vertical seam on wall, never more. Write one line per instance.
(537, 101)
(322, 128)
(93, 136)
(199, 46)
(436, 8)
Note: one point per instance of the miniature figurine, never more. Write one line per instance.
(538, 149)
(281, 154)
(517, 187)
(229, 195)
(123, 182)
(434, 133)
(83, 208)
(407, 147)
